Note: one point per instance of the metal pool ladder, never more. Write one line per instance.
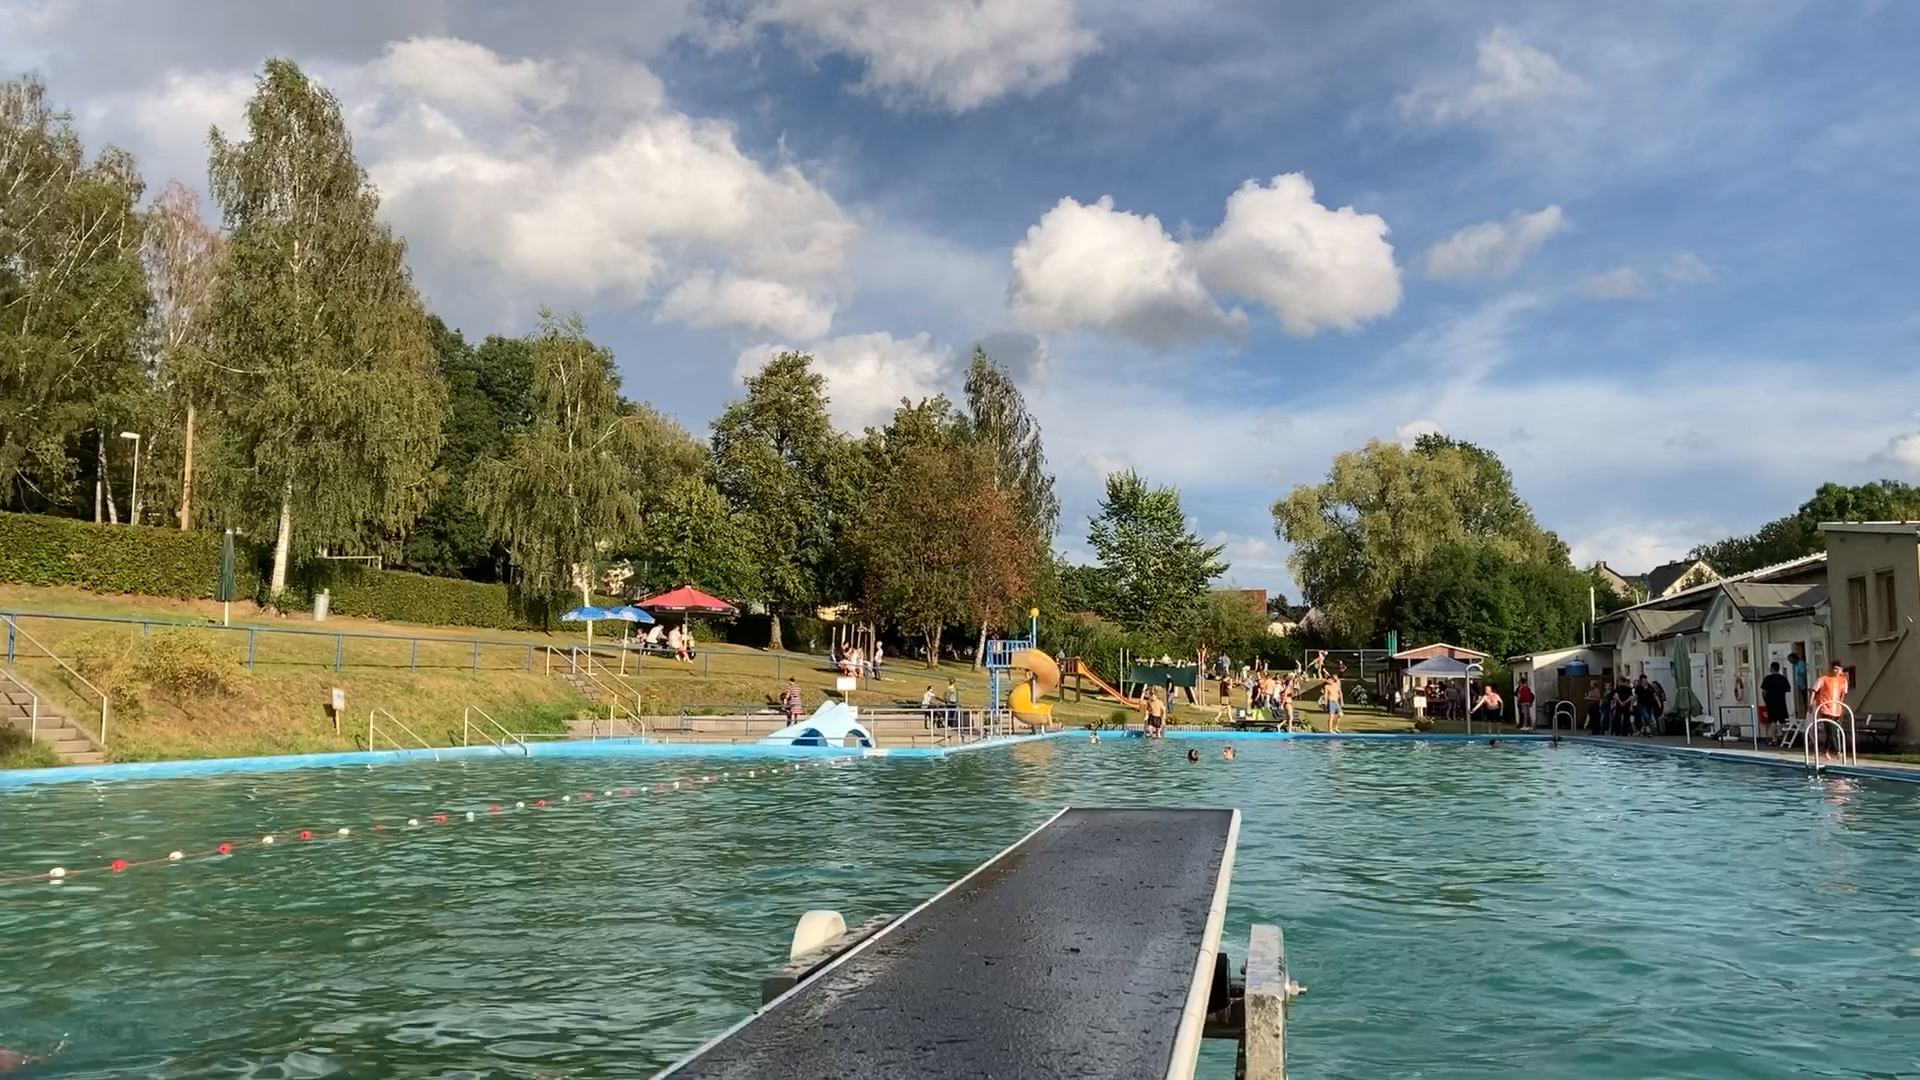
(374, 729)
(504, 743)
(1845, 738)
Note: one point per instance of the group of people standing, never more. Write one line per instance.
(1630, 708)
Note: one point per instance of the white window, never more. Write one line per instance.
(1719, 659)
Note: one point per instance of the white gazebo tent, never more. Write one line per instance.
(1446, 667)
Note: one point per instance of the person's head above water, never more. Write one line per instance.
(1193, 755)
(1228, 752)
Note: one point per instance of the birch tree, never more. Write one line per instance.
(331, 408)
(563, 494)
(181, 255)
(72, 301)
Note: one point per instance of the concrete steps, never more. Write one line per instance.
(51, 728)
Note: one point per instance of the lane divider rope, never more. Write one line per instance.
(57, 874)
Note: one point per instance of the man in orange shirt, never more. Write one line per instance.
(1830, 691)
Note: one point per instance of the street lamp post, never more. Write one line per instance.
(133, 516)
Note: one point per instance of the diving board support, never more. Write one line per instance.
(1263, 1033)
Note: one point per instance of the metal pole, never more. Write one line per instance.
(529, 658)
(476, 654)
(250, 634)
(413, 654)
(339, 646)
(10, 630)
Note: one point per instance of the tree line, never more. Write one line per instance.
(276, 371)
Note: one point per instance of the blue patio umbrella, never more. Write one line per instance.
(629, 613)
(588, 614)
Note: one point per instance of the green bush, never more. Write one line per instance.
(130, 559)
(181, 662)
(107, 658)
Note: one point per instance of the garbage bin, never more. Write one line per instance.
(320, 606)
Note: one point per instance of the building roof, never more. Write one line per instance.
(1759, 602)
(1661, 578)
(1701, 595)
(1899, 527)
(1438, 648)
(1653, 623)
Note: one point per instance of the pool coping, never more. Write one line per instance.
(639, 748)
(187, 768)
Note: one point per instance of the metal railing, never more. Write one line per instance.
(506, 740)
(33, 708)
(1846, 738)
(374, 729)
(16, 631)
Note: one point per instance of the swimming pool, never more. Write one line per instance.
(1456, 910)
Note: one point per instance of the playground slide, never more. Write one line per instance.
(1105, 687)
(1023, 701)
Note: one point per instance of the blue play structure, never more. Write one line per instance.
(1000, 659)
(832, 724)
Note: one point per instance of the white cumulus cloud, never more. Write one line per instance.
(1493, 248)
(1509, 72)
(1089, 265)
(1313, 267)
(574, 182)
(1902, 451)
(868, 374)
(955, 54)
(1620, 283)
(707, 301)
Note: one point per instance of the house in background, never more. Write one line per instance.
(1675, 578)
(1631, 589)
(1873, 576)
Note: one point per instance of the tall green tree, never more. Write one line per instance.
(562, 495)
(1798, 534)
(693, 537)
(489, 399)
(1384, 510)
(1157, 569)
(182, 255)
(1474, 594)
(779, 463)
(331, 407)
(73, 300)
(998, 421)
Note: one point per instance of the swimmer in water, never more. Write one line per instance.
(1228, 752)
(1193, 755)
(1093, 736)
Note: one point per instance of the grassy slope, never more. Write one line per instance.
(279, 706)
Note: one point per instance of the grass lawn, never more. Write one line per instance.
(280, 704)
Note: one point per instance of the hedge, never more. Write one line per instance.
(142, 560)
(147, 561)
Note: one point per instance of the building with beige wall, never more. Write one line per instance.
(1873, 579)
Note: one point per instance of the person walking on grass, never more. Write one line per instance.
(790, 702)
(1330, 700)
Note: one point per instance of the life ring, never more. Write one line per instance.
(1739, 688)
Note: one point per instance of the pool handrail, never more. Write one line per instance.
(395, 743)
(467, 727)
(1847, 737)
(14, 628)
(33, 712)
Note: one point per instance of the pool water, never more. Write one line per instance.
(1456, 910)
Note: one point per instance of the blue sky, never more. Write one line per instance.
(1661, 257)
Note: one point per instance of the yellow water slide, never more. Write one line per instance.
(1043, 675)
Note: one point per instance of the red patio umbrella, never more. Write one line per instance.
(687, 600)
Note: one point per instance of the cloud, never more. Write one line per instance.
(1511, 73)
(575, 182)
(1493, 248)
(1686, 268)
(1636, 548)
(1620, 283)
(1093, 266)
(1313, 267)
(1024, 356)
(956, 55)
(1408, 433)
(868, 374)
(1089, 266)
(706, 301)
(1903, 451)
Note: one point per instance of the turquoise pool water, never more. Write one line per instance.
(1455, 910)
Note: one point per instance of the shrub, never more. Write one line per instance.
(181, 662)
(131, 559)
(106, 659)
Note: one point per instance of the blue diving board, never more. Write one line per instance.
(1087, 949)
